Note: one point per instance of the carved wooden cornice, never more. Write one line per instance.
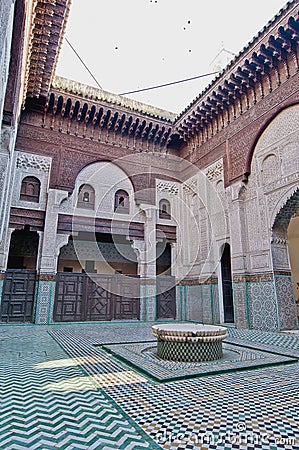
(48, 27)
(91, 113)
(92, 93)
(269, 59)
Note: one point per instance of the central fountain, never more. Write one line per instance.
(185, 342)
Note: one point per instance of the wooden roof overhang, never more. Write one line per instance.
(49, 19)
(265, 53)
(92, 115)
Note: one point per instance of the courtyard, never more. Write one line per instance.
(100, 386)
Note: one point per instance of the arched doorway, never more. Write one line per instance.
(284, 247)
(23, 249)
(165, 283)
(17, 304)
(227, 291)
(293, 247)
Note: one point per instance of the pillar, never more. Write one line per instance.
(238, 236)
(147, 264)
(4, 251)
(48, 258)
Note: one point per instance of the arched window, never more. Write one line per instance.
(30, 189)
(164, 209)
(121, 202)
(86, 197)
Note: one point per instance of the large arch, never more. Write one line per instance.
(293, 247)
(105, 178)
(284, 282)
(270, 200)
(269, 121)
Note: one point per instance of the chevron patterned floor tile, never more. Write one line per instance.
(48, 402)
(61, 390)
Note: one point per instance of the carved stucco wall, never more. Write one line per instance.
(273, 180)
(27, 164)
(106, 178)
(250, 211)
(6, 20)
(202, 222)
(268, 200)
(293, 240)
(203, 229)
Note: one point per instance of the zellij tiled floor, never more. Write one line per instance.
(100, 386)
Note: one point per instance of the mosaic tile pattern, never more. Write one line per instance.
(45, 296)
(144, 358)
(201, 302)
(48, 402)
(240, 303)
(262, 305)
(243, 411)
(286, 305)
(75, 396)
(283, 344)
(190, 351)
(230, 409)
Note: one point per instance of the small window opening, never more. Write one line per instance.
(164, 209)
(86, 197)
(30, 189)
(121, 202)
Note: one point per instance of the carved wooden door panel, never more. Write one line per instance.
(126, 304)
(166, 298)
(99, 299)
(18, 296)
(70, 297)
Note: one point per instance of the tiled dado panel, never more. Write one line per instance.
(201, 302)
(262, 305)
(265, 305)
(45, 302)
(286, 302)
(240, 305)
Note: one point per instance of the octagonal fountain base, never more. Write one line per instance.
(189, 342)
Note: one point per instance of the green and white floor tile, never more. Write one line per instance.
(60, 389)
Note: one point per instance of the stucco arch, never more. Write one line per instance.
(269, 201)
(286, 206)
(275, 128)
(106, 178)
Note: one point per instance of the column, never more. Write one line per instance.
(238, 237)
(148, 264)
(4, 250)
(48, 258)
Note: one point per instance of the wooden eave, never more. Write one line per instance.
(48, 28)
(117, 119)
(263, 54)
